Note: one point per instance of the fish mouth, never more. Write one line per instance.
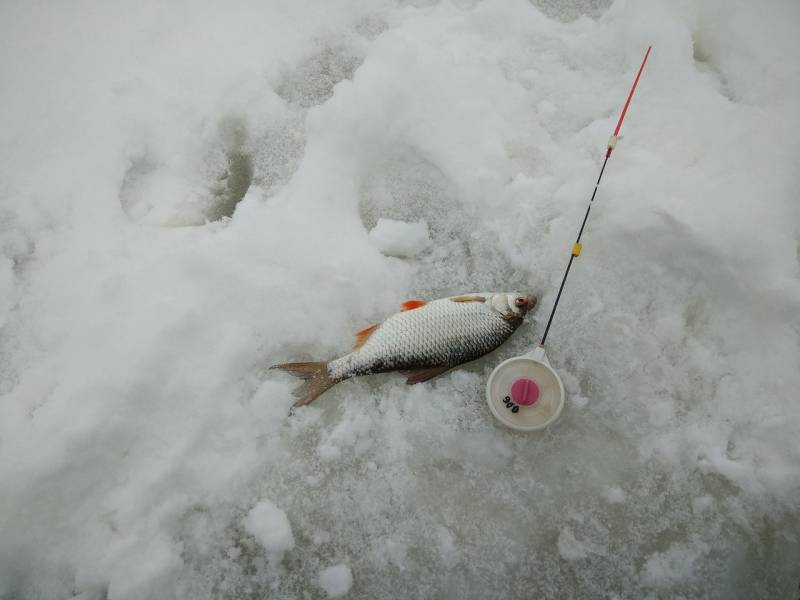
(525, 302)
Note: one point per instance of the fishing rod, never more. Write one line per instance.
(524, 392)
(612, 143)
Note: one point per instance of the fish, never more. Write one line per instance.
(423, 340)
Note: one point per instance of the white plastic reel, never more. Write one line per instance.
(525, 393)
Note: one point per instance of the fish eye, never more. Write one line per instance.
(520, 301)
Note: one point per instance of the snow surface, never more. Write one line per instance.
(186, 191)
(336, 581)
(269, 525)
(401, 239)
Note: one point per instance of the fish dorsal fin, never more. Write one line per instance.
(412, 304)
(420, 375)
(468, 299)
(363, 335)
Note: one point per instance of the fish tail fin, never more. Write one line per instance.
(317, 381)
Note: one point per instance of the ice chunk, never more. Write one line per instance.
(270, 526)
(399, 238)
(674, 565)
(571, 548)
(615, 495)
(336, 581)
(352, 432)
(446, 546)
(701, 504)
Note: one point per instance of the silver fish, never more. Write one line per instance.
(424, 340)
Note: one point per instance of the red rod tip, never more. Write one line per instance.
(633, 89)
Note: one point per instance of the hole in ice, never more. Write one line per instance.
(235, 179)
(699, 52)
(404, 185)
(192, 188)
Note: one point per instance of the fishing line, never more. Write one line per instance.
(576, 247)
(525, 392)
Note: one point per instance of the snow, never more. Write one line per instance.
(270, 526)
(190, 193)
(615, 495)
(400, 239)
(572, 549)
(336, 581)
(675, 565)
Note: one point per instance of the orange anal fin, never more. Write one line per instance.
(420, 375)
(363, 335)
(412, 304)
(468, 299)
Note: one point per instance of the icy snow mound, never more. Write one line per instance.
(269, 525)
(186, 197)
(400, 239)
(336, 581)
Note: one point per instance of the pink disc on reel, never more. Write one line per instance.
(525, 392)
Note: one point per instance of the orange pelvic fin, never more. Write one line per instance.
(315, 374)
(363, 335)
(412, 304)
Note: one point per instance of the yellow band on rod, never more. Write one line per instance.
(576, 249)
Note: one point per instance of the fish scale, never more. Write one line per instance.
(426, 339)
(441, 333)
